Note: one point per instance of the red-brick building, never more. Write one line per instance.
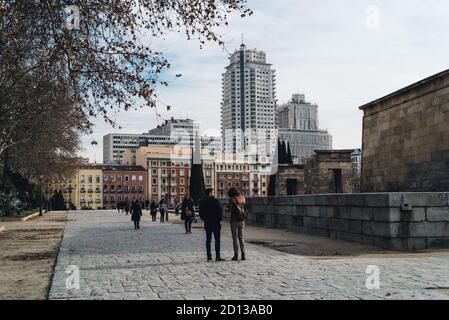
(123, 183)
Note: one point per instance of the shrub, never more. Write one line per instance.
(10, 205)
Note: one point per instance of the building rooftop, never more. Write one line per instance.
(418, 85)
(112, 167)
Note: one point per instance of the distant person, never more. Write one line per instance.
(163, 209)
(238, 217)
(126, 207)
(119, 206)
(176, 207)
(187, 212)
(136, 213)
(147, 204)
(211, 214)
(153, 210)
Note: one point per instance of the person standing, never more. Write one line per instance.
(153, 210)
(147, 204)
(211, 213)
(119, 206)
(238, 217)
(136, 213)
(162, 209)
(126, 206)
(187, 213)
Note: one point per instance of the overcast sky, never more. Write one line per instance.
(339, 53)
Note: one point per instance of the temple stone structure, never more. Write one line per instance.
(329, 171)
(406, 139)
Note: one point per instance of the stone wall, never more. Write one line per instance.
(395, 221)
(318, 168)
(406, 139)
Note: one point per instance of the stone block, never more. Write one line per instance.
(380, 229)
(312, 211)
(438, 214)
(430, 199)
(310, 222)
(408, 244)
(429, 229)
(377, 200)
(356, 213)
(387, 214)
(437, 243)
(352, 226)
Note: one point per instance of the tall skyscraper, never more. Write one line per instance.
(248, 102)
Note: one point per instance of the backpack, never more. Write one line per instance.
(241, 211)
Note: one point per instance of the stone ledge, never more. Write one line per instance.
(2, 228)
(30, 216)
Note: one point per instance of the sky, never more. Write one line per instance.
(340, 53)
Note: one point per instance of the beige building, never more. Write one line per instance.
(83, 190)
(406, 139)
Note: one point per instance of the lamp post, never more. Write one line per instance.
(40, 194)
(70, 196)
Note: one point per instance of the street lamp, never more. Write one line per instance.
(40, 194)
(70, 196)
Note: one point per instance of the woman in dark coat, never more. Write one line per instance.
(153, 210)
(136, 213)
(187, 213)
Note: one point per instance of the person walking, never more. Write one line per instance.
(147, 204)
(119, 206)
(153, 210)
(238, 217)
(211, 213)
(162, 209)
(126, 206)
(136, 213)
(187, 213)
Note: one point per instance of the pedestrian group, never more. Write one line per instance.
(210, 212)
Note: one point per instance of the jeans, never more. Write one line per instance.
(136, 225)
(162, 216)
(216, 232)
(237, 236)
(188, 225)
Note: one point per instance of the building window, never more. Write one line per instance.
(154, 181)
(154, 191)
(83, 179)
(89, 179)
(105, 178)
(127, 178)
(181, 172)
(133, 178)
(154, 172)
(119, 178)
(112, 178)
(97, 179)
(140, 178)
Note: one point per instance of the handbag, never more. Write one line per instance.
(188, 213)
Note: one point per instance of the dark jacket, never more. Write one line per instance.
(153, 208)
(136, 212)
(187, 205)
(210, 212)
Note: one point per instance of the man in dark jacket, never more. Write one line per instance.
(136, 213)
(211, 213)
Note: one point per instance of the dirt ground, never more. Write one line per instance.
(28, 251)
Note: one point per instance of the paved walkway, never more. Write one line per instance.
(159, 261)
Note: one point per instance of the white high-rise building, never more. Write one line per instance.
(174, 132)
(248, 104)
